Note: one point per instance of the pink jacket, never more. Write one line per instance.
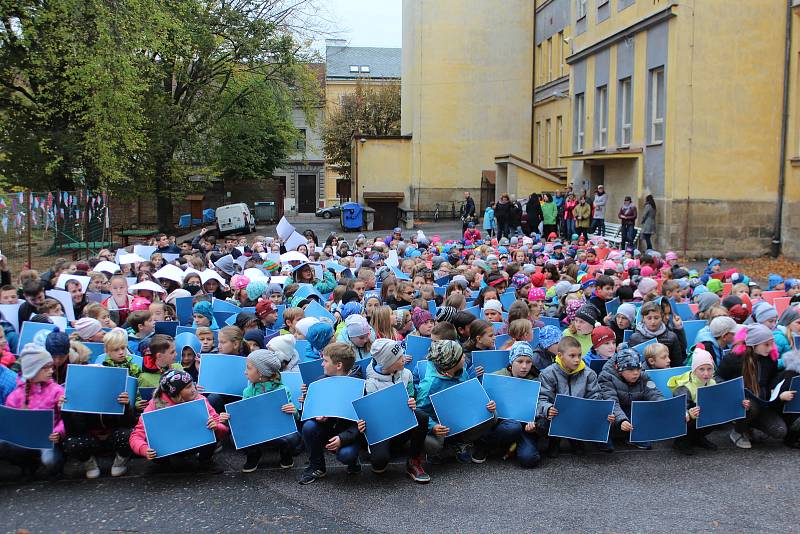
(42, 396)
(138, 439)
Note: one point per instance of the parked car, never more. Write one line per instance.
(330, 211)
(235, 218)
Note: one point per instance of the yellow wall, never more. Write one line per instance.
(467, 86)
(551, 109)
(383, 166)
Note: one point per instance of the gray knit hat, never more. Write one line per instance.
(789, 315)
(757, 334)
(706, 300)
(385, 351)
(32, 358)
(266, 361)
(445, 354)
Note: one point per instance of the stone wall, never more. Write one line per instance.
(791, 230)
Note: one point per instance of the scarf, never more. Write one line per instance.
(581, 366)
(642, 329)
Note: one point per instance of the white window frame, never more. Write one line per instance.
(539, 143)
(581, 9)
(601, 112)
(559, 139)
(626, 112)
(354, 68)
(656, 121)
(548, 132)
(580, 133)
(364, 68)
(560, 53)
(539, 61)
(549, 59)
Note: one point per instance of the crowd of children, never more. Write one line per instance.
(568, 313)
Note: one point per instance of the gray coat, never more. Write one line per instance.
(554, 381)
(614, 387)
(648, 219)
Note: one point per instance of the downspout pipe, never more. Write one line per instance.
(775, 249)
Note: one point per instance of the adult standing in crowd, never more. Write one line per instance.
(583, 214)
(467, 211)
(627, 216)
(558, 199)
(569, 216)
(515, 221)
(550, 212)
(534, 210)
(599, 205)
(649, 220)
(502, 212)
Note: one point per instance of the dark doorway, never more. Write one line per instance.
(307, 193)
(597, 175)
(385, 215)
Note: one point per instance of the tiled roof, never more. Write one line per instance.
(382, 62)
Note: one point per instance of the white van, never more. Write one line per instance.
(235, 218)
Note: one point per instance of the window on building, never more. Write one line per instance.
(547, 143)
(581, 8)
(657, 105)
(625, 112)
(539, 64)
(364, 68)
(579, 124)
(550, 52)
(353, 68)
(561, 44)
(559, 139)
(300, 144)
(601, 116)
(538, 143)
(601, 3)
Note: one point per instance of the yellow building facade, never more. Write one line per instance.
(681, 100)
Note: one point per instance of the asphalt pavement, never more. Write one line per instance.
(729, 490)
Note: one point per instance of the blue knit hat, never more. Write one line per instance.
(549, 335)
(204, 308)
(774, 281)
(57, 343)
(518, 349)
(628, 359)
(350, 308)
(319, 335)
(256, 288)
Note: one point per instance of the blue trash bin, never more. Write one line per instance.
(352, 216)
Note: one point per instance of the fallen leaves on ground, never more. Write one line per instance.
(761, 268)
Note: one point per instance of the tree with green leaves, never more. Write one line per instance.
(372, 109)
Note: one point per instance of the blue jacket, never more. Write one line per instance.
(434, 383)
(710, 343)
(489, 222)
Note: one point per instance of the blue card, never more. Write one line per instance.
(223, 373)
(432, 307)
(721, 403)
(626, 335)
(386, 413)
(501, 340)
(333, 397)
(315, 309)
(490, 360)
(422, 369)
(146, 393)
(660, 377)
(130, 387)
(691, 328)
(26, 428)
(311, 371)
(534, 342)
(612, 306)
(474, 310)
(219, 305)
(497, 327)
(94, 389)
(443, 281)
(363, 363)
(98, 350)
(221, 317)
(259, 419)
(581, 419)
(641, 346)
(302, 346)
(597, 365)
(462, 406)
(658, 420)
(552, 321)
(507, 299)
(441, 291)
(417, 347)
(793, 406)
(28, 333)
(292, 381)
(231, 320)
(682, 310)
(178, 428)
(166, 327)
(183, 309)
(516, 398)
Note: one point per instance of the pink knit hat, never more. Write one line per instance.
(701, 357)
(536, 293)
(140, 304)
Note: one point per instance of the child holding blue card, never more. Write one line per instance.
(388, 368)
(508, 432)
(701, 375)
(318, 336)
(37, 391)
(115, 344)
(545, 354)
(446, 368)
(176, 387)
(569, 375)
(624, 381)
(357, 334)
(791, 362)
(604, 345)
(335, 435)
(481, 337)
(264, 374)
(755, 361)
(652, 326)
(158, 355)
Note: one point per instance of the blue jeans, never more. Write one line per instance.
(570, 228)
(51, 459)
(316, 435)
(380, 454)
(507, 432)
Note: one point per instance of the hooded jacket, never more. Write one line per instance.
(138, 439)
(709, 343)
(42, 396)
(377, 381)
(614, 387)
(782, 341)
(687, 384)
(433, 383)
(677, 351)
(554, 381)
